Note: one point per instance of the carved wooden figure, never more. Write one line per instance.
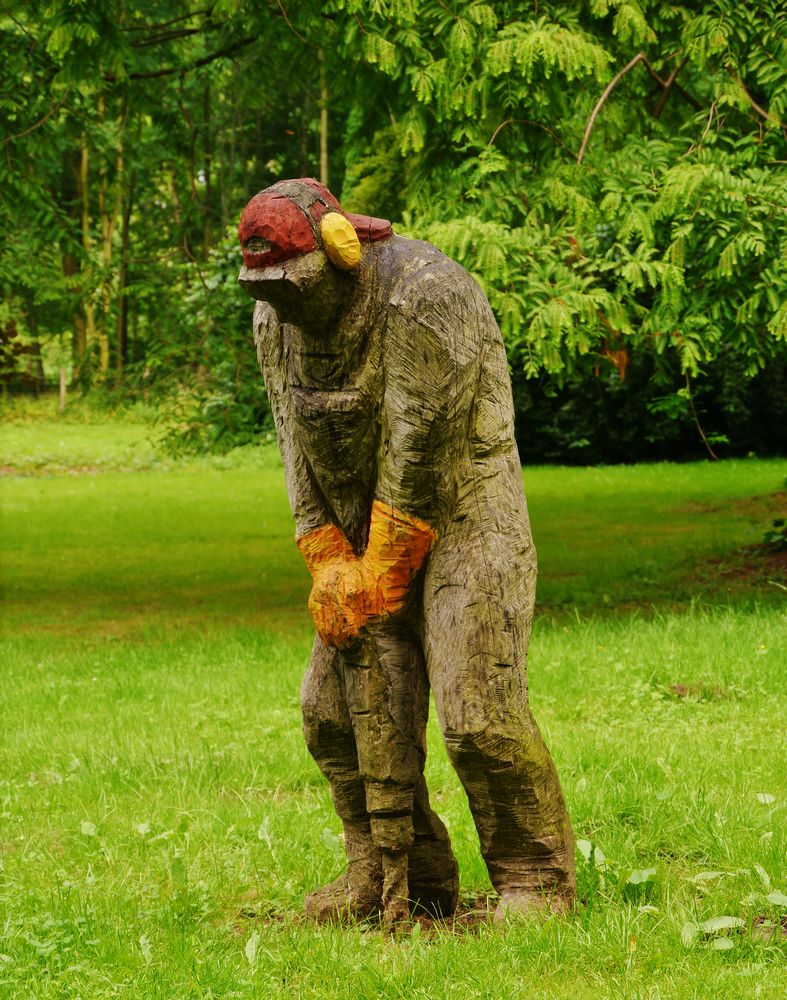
(389, 387)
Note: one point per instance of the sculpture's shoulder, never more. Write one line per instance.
(427, 289)
(414, 271)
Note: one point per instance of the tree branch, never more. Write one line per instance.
(664, 84)
(687, 97)
(166, 36)
(166, 24)
(290, 25)
(767, 116)
(666, 89)
(639, 57)
(526, 121)
(697, 423)
(41, 121)
(172, 70)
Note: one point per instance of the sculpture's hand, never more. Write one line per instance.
(339, 603)
(335, 601)
(348, 591)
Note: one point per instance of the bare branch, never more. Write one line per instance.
(172, 70)
(687, 97)
(23, 29)
(289, 24)
(697, 423)
(166, 24)
(666, 89)
(526, 121)
(453, 13)
(639, 57)
(766, 115)
(166, 36)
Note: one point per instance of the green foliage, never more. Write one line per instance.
(664, 241)
(224, 405)
(592, 415)
(775, 538)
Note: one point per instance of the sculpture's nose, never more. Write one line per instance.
(256, 281)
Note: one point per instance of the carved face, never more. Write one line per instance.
(306, 290)
(300, 251)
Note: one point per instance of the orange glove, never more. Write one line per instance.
(324, 545)
(347, 590)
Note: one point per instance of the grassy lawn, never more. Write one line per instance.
(161, 821)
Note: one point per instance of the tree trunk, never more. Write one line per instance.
(121, 352)
(323, 119)
(208, 200)
(108, 214)
(87, 334)
(35, 366)
(79, 344)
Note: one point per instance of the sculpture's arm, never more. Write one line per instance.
(306, 504)
(432, 361)
(349, 590)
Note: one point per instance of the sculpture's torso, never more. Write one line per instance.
(347, 396)
(337, 424)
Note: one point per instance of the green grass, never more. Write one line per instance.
(219, 535)
(161, 821)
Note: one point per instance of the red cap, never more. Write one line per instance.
(283, 222)
(273, 228)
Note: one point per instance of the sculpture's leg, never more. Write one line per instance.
(432, 869)
(330, 739)
(385, 696)
(433, 882)
(477, 613)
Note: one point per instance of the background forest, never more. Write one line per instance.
(611, 171)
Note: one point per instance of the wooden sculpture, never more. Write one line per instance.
(389, 387)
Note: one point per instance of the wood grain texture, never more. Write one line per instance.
(393, 385)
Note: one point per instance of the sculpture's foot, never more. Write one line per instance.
(433, 877)
(357, 893)
(346, 900)
(525, 903)
(396, 903)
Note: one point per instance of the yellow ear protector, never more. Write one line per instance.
(340, 241)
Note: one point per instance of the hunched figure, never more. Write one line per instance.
(389, 387)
